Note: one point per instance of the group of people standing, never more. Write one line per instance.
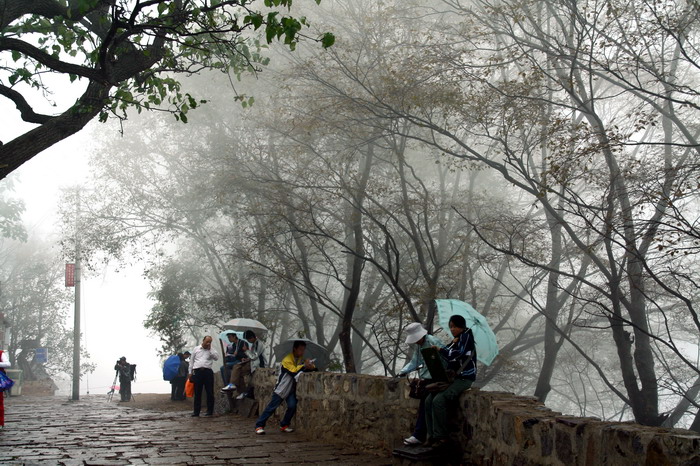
(243, 356)
(177, 389)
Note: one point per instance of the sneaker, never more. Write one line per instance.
(259, 430)
(410, 441)
(286, 429)
(228, 388)
(241, 396)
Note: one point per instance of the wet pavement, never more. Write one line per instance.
(93, 431)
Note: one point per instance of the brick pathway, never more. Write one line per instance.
(95, 432)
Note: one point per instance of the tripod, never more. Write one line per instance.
(110, 393)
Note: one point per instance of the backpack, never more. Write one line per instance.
(170, 367)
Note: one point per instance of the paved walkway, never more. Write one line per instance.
(95, 432)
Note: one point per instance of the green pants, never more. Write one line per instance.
(436, 408)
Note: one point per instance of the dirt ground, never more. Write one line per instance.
(155, 402)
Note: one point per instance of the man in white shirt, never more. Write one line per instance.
(202, 376)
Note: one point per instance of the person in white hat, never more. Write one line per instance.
(419, 336)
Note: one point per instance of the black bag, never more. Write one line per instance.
(437, 387)
(418, 388)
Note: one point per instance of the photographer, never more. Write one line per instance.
(125, 373)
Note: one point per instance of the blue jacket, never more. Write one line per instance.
(417, 358)
(456, 353)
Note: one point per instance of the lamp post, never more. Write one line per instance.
(76, 317)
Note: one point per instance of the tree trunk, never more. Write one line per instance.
(355, 262)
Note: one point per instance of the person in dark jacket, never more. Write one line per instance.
(125, 372)
(460, 356)
(177, 392)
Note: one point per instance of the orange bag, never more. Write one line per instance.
(189, 389)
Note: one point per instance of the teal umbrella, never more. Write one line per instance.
(484, 338)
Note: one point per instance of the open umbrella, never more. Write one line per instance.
(241, 324)
(313, 351)
(223, 336)
(223, 339)
(484, 338)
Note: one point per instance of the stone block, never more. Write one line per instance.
(546, 440)
(564, 444)
(349, 384)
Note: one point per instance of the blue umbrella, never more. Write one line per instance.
(484, 338)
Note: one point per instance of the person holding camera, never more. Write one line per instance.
(125, 373)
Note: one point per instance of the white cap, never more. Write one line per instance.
(414, 332)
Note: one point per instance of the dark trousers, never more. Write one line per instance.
(421, 429)
(125, 389)
(177, 391)
(436, 408)
(274, 404)
(203, 379)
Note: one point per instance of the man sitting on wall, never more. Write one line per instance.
(235, 352)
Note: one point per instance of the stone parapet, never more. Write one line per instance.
(45, 387)
(494, 428)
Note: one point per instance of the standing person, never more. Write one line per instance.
(178, 382)
(202, 376)
(416, 334)
(252, 360)
(4, 363)
(123, 368)
(285, 389)
(235, 353)
(460, 355)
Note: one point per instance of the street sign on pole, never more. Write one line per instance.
(41, 355)
(70, 275)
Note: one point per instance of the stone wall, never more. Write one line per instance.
(494, 428)
(45, 387)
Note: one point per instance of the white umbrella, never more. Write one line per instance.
(241, 324)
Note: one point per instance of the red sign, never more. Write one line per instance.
(70, 274)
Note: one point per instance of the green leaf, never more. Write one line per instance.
(327, 40)
(256, 20)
